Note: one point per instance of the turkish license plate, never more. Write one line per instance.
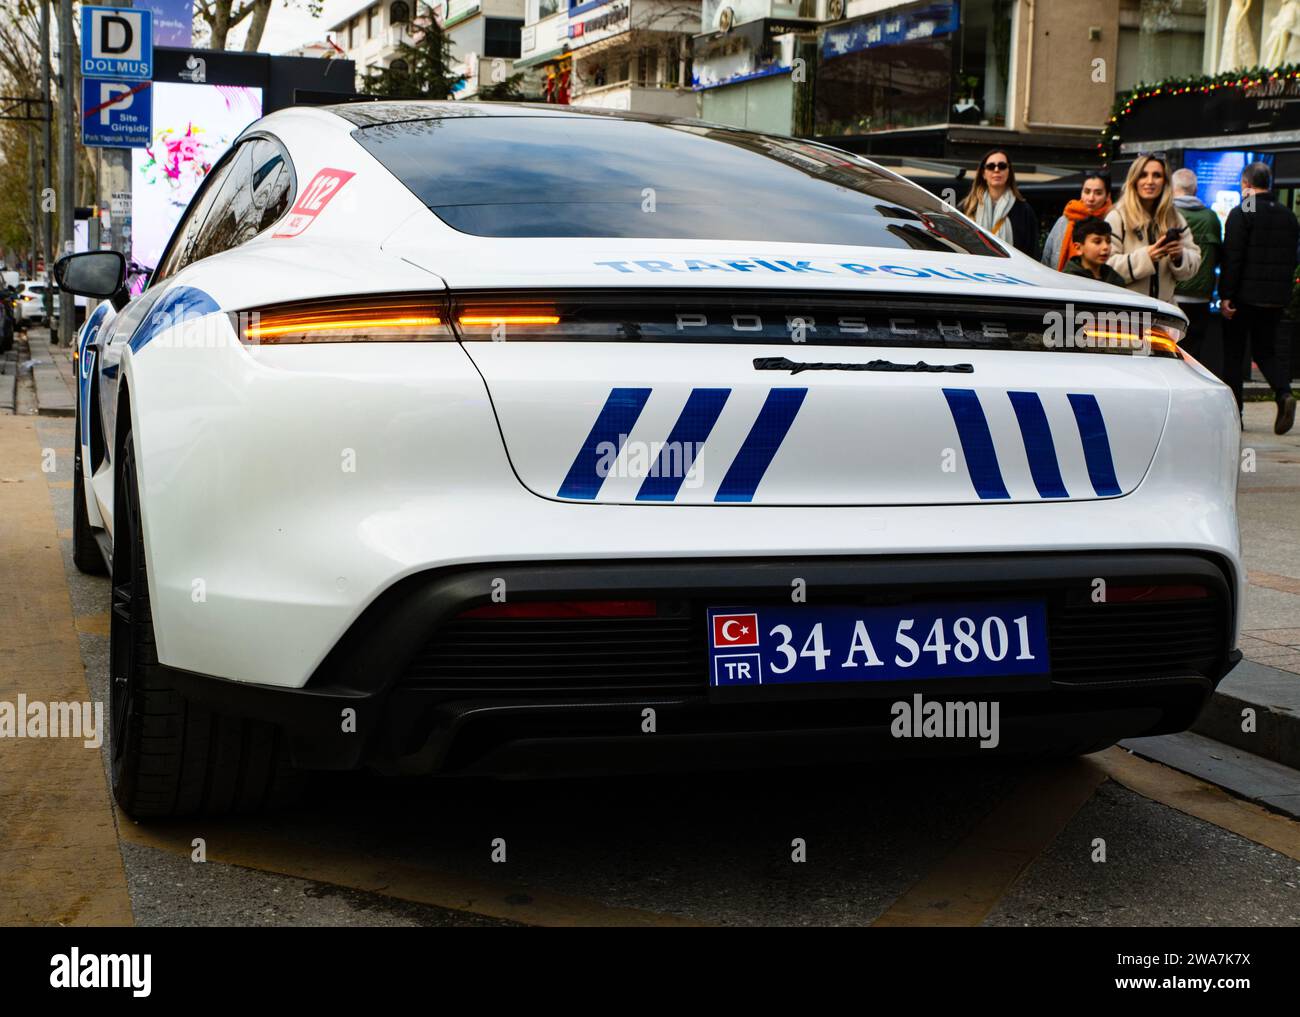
(796, 645)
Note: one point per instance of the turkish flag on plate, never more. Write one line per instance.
(735, 630)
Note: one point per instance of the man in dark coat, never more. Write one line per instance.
(1255, 284)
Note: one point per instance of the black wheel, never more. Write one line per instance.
(170, 756)
(85, 549)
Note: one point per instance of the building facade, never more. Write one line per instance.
(485, 36)
(633, 55)
(950, 78)
(371, 35)
(751, 60)
(544, 48)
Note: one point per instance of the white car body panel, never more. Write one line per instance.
(263, 546)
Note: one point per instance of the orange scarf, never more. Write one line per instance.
(1076, 211)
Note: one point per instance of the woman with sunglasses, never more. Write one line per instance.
(1153, 250)
(994, 202)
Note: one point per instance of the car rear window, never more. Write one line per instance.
(593, 176)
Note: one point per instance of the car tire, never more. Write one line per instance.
(170, 756)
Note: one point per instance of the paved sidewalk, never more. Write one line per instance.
(1267, 683)
(59, 859)
(53, 375)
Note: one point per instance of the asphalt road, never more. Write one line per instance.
(1108, 840)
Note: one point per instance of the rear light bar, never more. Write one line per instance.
(566, 609)
(809, 318)
(416, 318)
(710, 317)
(502, 318)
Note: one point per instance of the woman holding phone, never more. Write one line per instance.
(1153, 248)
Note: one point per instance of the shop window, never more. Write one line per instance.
(923, 66)
(884, 87)
(983, 63)
(501, 37)
(1165, 38)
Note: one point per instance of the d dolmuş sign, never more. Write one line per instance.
(117, 43)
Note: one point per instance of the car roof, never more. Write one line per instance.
(396, 111)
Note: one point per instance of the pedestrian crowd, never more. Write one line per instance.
(1159, 239)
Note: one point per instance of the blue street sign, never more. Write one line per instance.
(116, 114)
(173, 21)
(117, 43)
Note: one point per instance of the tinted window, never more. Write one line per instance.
(255, 193)
(575, 176)
(229, 205)
(187, 231)
(272, 188)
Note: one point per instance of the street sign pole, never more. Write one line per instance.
(116, 100)
(47, 211)
(32, 163)
(115, 176)
(67, 163)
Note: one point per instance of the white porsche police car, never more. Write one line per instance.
(512, 439)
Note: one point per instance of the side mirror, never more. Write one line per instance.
(99, 274)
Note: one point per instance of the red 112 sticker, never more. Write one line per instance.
(318, 193)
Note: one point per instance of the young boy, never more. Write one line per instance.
(1090, 249)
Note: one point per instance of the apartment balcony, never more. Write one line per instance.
(674, 102)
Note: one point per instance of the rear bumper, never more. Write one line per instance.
(414, 714)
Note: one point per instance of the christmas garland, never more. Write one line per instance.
(1202, 83)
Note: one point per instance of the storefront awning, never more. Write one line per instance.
(544, 58)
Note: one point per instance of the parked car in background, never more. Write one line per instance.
(31, 302)
(8, 315)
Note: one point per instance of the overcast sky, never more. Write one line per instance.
(289, 24)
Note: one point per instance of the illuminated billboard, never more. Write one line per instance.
(1218, 176)
(193, 125)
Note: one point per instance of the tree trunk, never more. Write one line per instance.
(220, 24)
(260, 12)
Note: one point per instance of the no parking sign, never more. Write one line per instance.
(116, 114)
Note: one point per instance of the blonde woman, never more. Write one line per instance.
(1153, 248)
(994, 202)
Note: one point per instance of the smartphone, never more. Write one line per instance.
(1172, 233)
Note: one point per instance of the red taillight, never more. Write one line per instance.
(1153, 594)
(566, 609)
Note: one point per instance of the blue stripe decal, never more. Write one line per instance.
(976, 442)
(1096, 444)
(86, 367)
(1039, 448)
(689, 433)
(761, 445)
(173, 308)
(613, 425)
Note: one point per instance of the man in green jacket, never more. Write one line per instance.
(1193, 295)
